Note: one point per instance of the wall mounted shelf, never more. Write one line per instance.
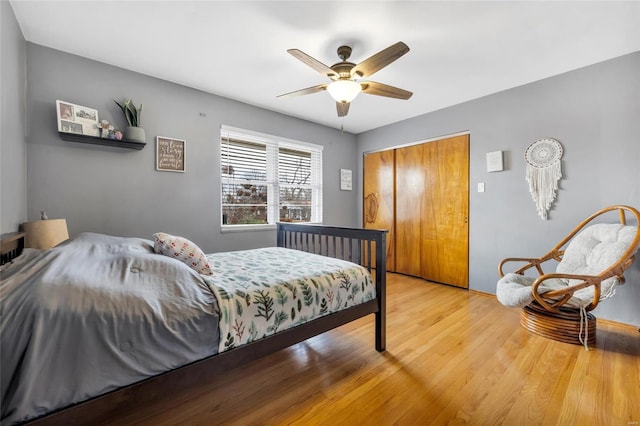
(95, 140)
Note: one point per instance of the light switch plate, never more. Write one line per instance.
(480, 186)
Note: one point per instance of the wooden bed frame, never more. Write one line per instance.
(12, 245)
(363, 246)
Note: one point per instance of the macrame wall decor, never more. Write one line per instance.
(544, 171)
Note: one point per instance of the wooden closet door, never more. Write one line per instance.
(430, 238)
(378, 203)
(445, 212)
(410, 191)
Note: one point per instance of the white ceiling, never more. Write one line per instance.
(460, 50)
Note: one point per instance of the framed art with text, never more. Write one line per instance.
(170, 154)
(346, 179)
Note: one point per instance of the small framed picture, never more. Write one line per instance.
(346, 180)
(77, 119)
(70, 127)
(170, 154)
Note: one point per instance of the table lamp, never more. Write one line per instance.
(44, 234)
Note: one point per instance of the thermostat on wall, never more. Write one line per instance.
(494, 161)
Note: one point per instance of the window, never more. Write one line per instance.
(266, 179)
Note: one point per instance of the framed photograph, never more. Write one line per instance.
(346, 180)
(70, 127)
(77, 119)
(170, 154)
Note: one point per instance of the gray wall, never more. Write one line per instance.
(118, 191)
(13, 170)
(594, 112)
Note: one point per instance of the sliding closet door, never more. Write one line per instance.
(430, 238)
(432, 207)
(378, 204)
(445, 212)
(410, 192)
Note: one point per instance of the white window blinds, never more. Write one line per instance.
(266, 179)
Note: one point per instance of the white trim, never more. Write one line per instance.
(419, 142)
(273, 144)
(244, 228)
(268, 139)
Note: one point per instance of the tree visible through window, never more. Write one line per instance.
(265, 179)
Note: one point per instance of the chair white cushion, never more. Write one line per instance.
(514, 290)
(593, 250)
(590, 252)
(596, 248)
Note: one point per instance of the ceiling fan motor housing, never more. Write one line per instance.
(343, 69)
(344, 52)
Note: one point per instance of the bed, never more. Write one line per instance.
(169, 343)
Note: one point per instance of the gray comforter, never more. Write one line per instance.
(95, 314)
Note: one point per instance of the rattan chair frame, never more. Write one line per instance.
(553, 301)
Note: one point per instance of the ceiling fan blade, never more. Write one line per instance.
(379, 60)
(314, 63)
(379, 89)
(307, 91)
(343, 108)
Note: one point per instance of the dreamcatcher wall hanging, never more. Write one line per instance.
(544, 171)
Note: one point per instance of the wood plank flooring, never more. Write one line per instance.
(453, 357)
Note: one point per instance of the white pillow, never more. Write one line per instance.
(182, 249)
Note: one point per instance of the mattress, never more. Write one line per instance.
(263, 291)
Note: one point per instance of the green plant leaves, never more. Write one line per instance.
(131, 113)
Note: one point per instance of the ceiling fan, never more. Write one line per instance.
(346, 84)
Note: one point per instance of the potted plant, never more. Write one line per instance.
(132, 114)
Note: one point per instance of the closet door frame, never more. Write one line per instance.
(459, 278)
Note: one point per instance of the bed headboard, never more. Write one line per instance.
(12, 244)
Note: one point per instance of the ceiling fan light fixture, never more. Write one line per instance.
(344, 90)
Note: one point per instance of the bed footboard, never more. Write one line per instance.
(366, 247)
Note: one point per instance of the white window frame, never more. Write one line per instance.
(273, 144)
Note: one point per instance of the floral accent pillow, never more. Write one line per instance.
(182, 249)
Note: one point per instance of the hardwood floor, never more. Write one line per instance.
(453, 357)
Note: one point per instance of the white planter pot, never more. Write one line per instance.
(135, 134)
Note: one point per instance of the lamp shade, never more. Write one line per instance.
(44, 234)
(344, 90)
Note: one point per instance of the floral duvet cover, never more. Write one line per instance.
(263, 291)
